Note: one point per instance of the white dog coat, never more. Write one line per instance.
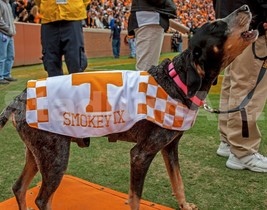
(100, 103)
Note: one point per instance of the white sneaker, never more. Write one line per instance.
(223, 149)
(255, 162)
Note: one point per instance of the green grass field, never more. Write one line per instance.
(208, 183)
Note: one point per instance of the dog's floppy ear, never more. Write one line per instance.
(193, 80)
(194, 73)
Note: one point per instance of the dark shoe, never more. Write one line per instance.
(10, 79)
(3, 82)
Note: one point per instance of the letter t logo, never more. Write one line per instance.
(98, 93)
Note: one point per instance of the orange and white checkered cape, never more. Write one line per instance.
(100, 103)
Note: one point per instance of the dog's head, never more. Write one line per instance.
(216, 44)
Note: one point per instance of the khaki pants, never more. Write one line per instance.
(239, 78)
(149, 41)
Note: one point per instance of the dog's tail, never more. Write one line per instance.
(4, 116)
(7, 112)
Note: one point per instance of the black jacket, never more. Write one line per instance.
(166, 9)
(258, 9)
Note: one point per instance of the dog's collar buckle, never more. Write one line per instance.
(173, 74)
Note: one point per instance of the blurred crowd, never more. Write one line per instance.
(101, 13)
(25, 11)
(193, 13)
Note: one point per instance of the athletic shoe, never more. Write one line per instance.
(223, 149)
(255, 162)
(10, 79)
(3, 82)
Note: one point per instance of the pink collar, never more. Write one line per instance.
(181, 85)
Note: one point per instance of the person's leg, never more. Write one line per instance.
(52, 56)
(117, 50)
(244, 73)
(131, 43)
(180, 47)
(149, 40)
(118, 47)
(133, 48)
(9, 59)
(130, 47)
(114, 48)
(224, 148)
(72, 41)
(3, 55)
(243, 76)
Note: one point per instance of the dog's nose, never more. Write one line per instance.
(244, 8)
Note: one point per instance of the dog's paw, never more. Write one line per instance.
(188, 206)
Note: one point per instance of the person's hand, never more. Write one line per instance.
(265, 26)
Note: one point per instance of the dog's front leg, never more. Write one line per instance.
(170, 156)
(140, 162)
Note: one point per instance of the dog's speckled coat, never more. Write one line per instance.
(211, 49)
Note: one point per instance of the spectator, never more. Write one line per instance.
(14, 5)
(115, 35)
(98, 22)
(62, 34)
(7, 31)
(240, 141)
(176, 42)
(111, 19)
(130, 41)
(34, 16)
(105, 20)
(148, 21)
(30, 5)
(21, 12)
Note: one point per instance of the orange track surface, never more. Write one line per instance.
(77, 194)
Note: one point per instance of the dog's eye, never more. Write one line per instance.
(213, 27)
(197, 52)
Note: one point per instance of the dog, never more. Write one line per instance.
(186, 78)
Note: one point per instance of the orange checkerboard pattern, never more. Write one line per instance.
(160, 108)
(35, 112)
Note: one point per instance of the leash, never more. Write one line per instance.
(243, 103)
